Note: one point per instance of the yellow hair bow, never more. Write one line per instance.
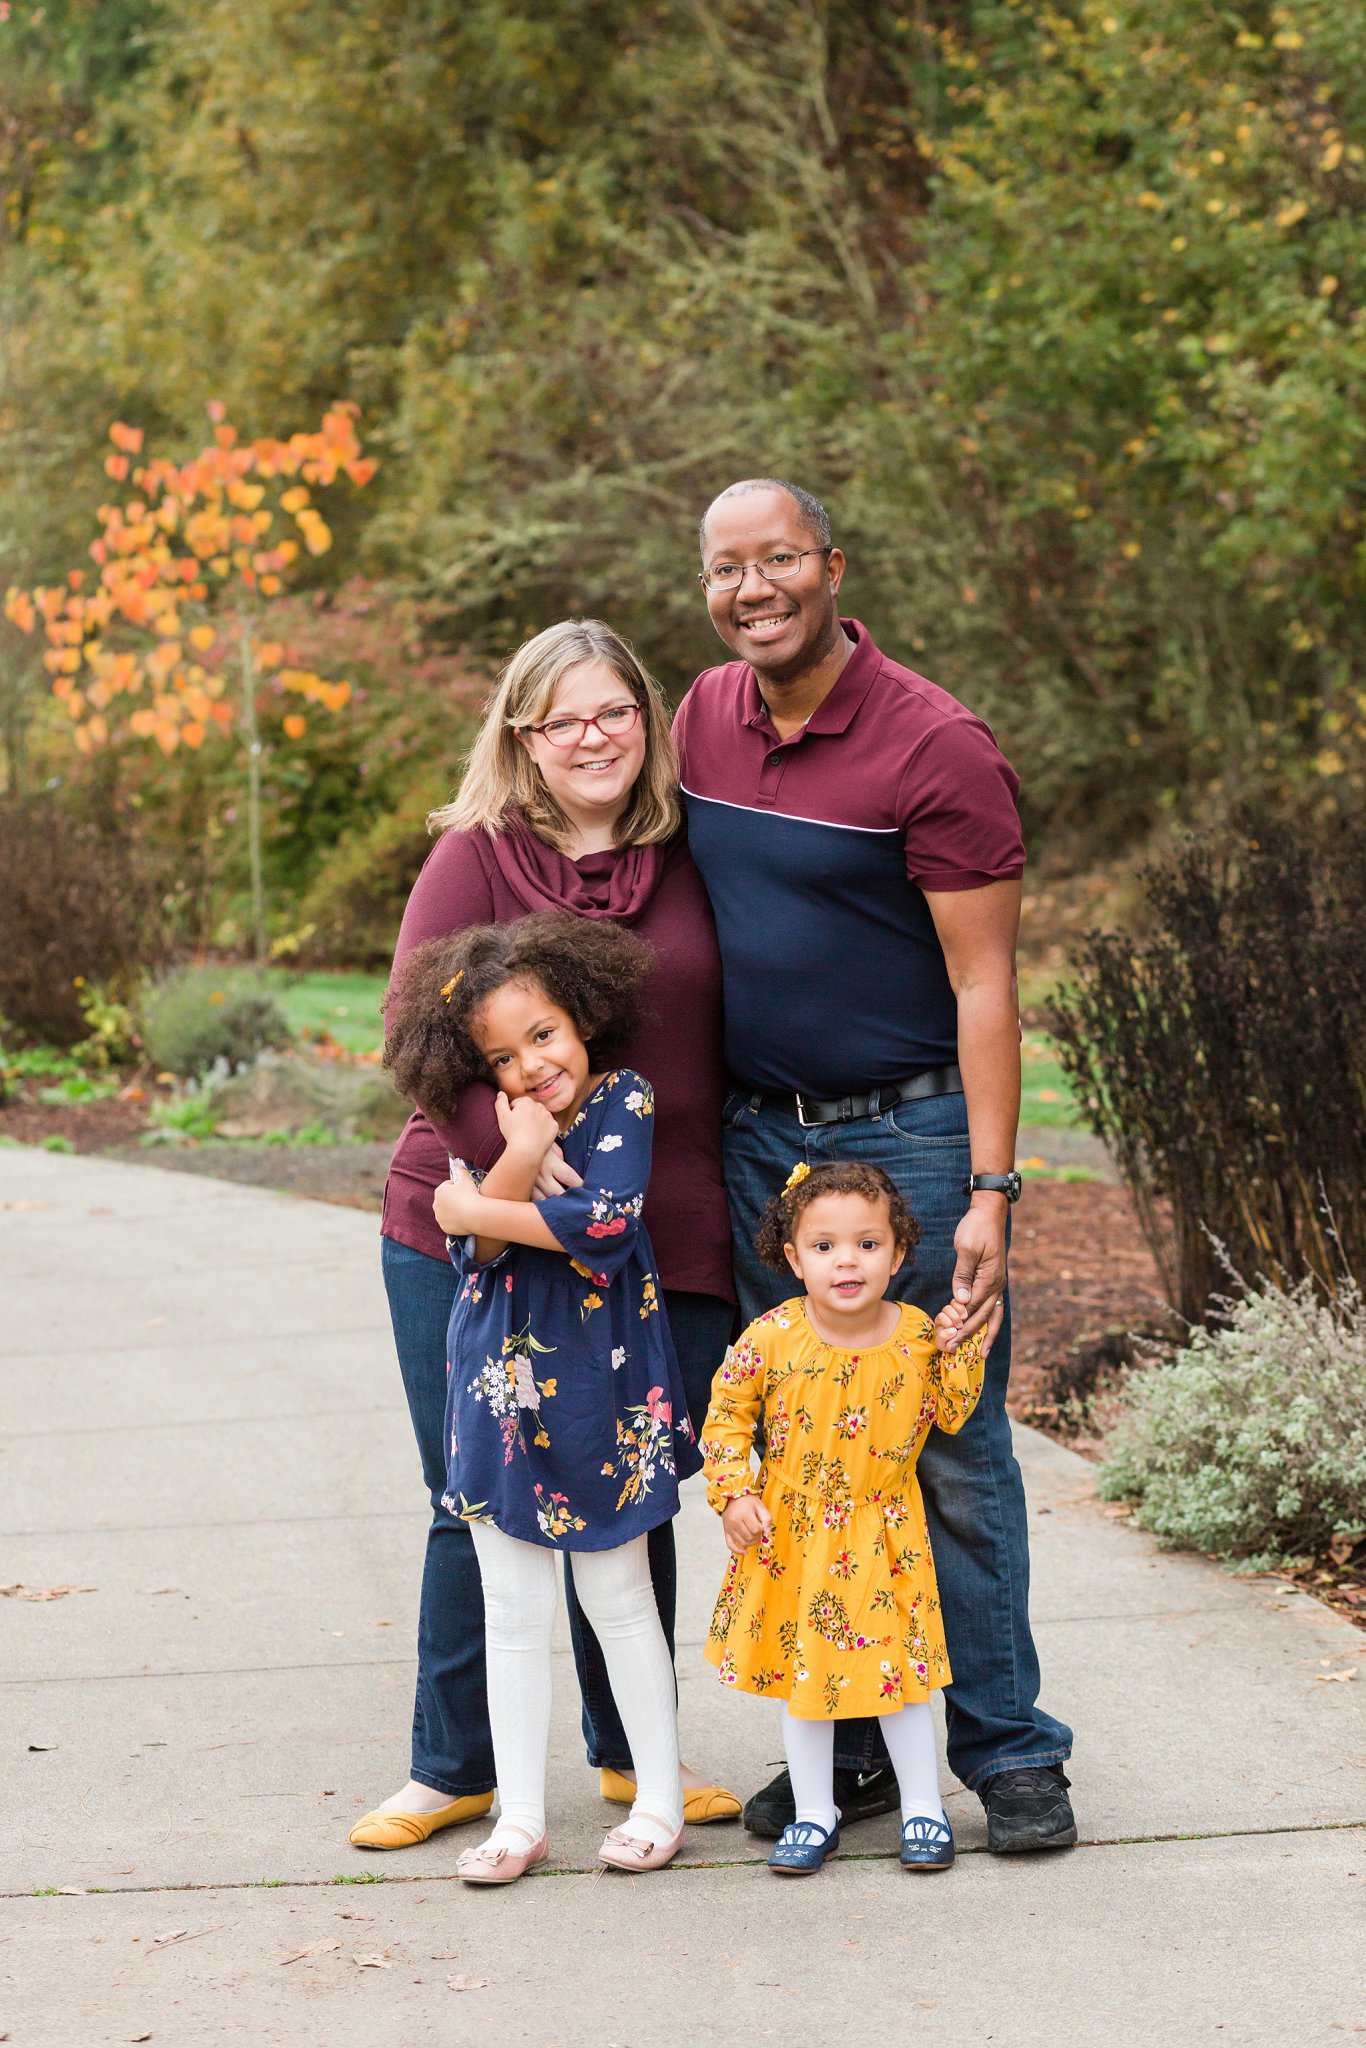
(449, 990)
(796, 1177)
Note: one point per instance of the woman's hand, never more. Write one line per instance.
(455, 1204)
(528, 1128)
(554, 1176)
(746, 1522)
(948, 1325)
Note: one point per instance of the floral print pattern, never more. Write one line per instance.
(837, 1610)
(566, 1419)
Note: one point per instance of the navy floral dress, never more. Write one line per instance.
(565, 1411)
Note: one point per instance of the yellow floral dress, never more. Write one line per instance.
(837, 1611)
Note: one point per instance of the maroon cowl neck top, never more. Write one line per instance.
(477, 878)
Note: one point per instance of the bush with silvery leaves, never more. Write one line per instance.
(1251, 1443)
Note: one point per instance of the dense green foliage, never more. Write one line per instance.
(200, 1018)
(1060, 307)
(1251, 1444)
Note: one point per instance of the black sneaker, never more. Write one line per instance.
(1028, 1809)
(859, 1795)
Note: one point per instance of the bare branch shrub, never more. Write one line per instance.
(1223, 1056)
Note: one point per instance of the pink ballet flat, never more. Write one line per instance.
(624, 1851)
(499, 1863)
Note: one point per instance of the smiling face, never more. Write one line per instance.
(591, 781)
(533, 1048)
(844, 1252)
(781, 628)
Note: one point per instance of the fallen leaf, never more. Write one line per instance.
(171, 1934)
(137, 2037)
(42, 1748)
(153, 1322)
(25, 1205)
(467, 1983)
(156, 1591)
(22, 1592)
(355, 1916)
(1341, 1547)
(315, 1948)
(1335, 1677)
(71, 1891)
(372, 1962)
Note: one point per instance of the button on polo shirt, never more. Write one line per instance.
(817, 852)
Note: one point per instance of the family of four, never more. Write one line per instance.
(696, 1018)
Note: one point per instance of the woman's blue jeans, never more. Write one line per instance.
(974, 1495)
(452, 1748)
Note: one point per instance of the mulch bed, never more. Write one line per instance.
(86, 1126)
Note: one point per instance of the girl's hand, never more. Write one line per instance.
(528, 1128)
(948, 1325)
(455, 1204)
(746, 1522)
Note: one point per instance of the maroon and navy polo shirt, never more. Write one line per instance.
(816, 852)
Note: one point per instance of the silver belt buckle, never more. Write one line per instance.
(801, 1113)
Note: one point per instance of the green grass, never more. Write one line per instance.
(1046, 1101)
(346, 1005)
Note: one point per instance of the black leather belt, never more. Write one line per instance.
(845, 1108)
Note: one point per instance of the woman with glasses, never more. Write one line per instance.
(569, 802)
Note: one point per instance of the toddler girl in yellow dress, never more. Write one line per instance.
(829, 1601)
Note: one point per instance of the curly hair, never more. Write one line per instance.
(778, 1225)
(590, 968)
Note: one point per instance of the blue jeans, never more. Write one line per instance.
(974, 1495)
(452, 1748)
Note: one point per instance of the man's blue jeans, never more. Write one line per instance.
(974, 1496)
(452, 1748)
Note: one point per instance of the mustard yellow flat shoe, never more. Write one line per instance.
(702, 1804)
(402, 1830)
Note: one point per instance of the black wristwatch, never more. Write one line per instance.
(1008, 1184)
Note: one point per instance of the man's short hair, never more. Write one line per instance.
(813, 514)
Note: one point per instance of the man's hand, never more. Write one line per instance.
(455, 1204)
(528, 1128)
(979, 1276)
(554, 1177)
(951, 1323)
(746, 1522)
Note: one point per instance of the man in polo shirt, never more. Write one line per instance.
(857, 831)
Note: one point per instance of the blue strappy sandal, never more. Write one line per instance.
(926, 1844)
(802, 1847)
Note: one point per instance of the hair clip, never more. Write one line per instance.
(449, 990)
(796, 1177)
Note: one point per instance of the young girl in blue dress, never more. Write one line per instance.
(566, 1418)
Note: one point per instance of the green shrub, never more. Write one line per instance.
(201, 1016)
(1252, 1443)
(356, 897)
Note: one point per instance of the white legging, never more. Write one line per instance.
(909, 1736)
(614, 1590)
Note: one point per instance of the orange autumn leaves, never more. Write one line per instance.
(187, 567)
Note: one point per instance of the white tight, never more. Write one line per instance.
(909, 1736)
(615, 1593)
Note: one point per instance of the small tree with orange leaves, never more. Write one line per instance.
(170, 642)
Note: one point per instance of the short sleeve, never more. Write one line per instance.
(958, 809)
(598, 1223)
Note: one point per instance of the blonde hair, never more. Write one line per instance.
(500, 774)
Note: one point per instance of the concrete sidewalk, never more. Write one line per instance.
(204, 1426)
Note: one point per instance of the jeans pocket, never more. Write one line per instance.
(736, 1107)
(927, 1125)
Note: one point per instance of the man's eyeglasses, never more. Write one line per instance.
(613, 723)
(778, 567)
